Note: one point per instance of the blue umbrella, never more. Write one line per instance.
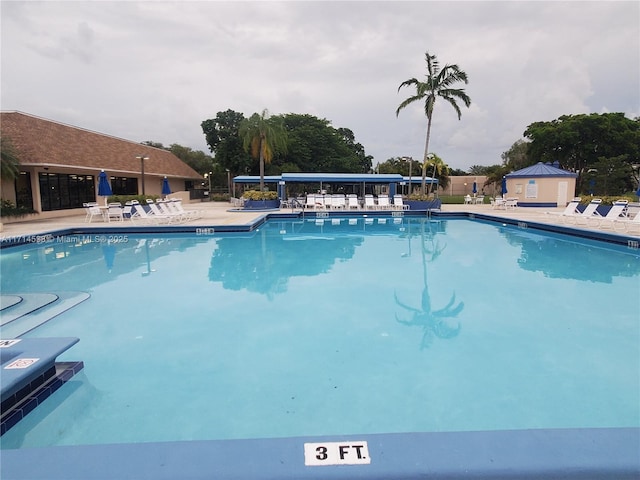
(475, 188)
(166, 189)
(504, 185)
(104, 189)
(638, 191)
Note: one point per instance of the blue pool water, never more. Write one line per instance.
(310, 328)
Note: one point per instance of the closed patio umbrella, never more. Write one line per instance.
(638, 190)
(475, 188)
(104, 189)
(504, 186)
(166, 189)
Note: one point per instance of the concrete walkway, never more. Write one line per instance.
(221, 213)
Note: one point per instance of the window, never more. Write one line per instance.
(60, 191)
(124, 185)
(24, 196)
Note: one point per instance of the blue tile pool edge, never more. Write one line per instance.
(520, 454)
(46, 237)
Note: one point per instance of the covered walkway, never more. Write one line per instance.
(299, 184)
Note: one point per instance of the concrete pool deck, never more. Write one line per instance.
(221, 213)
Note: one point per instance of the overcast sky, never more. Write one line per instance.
(155, 70)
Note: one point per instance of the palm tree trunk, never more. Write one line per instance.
(261, 167)
(426, 157)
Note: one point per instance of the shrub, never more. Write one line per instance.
(9, 209)
(123, 199)
(257, 195)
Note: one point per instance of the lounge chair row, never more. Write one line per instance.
(616, 218)
(351, 202)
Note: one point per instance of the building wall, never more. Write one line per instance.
(463, 185)
(540, 190)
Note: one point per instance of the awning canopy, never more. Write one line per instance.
(332, 178)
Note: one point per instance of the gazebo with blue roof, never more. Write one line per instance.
(542, 185)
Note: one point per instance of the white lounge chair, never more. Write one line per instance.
(618, 209)
(383, 203)
(627, 224)
(369, 202)
(589, 211)
(311, 201)
(187, 214)
(352, 202)
(398, 203)
(570, 210)
(338, 202)
(149, 217)
(171, 217)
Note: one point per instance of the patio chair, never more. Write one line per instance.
(570, 210)
(114, 211)
(369, 202)
(627, 224)
(170, 216)
(510, 203)
(589, 211)
(188, 214)
(398, 203)
(352, 202)
(149, 217)
(383, 203)
(92, 210)
(618, 209)
(338, 202)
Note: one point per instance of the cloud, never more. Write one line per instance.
(155, 70)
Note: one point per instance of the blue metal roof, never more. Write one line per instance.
(342, 177)
(332, 178)
(256, 179)
(542, 170)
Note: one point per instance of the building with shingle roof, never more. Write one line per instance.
(60, 164)
(541, 185)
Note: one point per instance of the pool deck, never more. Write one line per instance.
(222, 213)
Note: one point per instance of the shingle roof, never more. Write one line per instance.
(41, 142)
(541, 170)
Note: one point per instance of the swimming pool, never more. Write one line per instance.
(335, 327)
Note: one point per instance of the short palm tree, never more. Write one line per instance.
(439, 83)
(9, 161)
(262, 136)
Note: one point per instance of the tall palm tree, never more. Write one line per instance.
(262, 136)
(438, 83)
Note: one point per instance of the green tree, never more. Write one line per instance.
(478, 170)
(9, 160)
(494, 175)
(196, 159)
(364, 160)
(517, 157)
(577, 142)
(610, 176)
(314, 145)
(440, 170)
(438, 84)
(262, 136)
(222, 136)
